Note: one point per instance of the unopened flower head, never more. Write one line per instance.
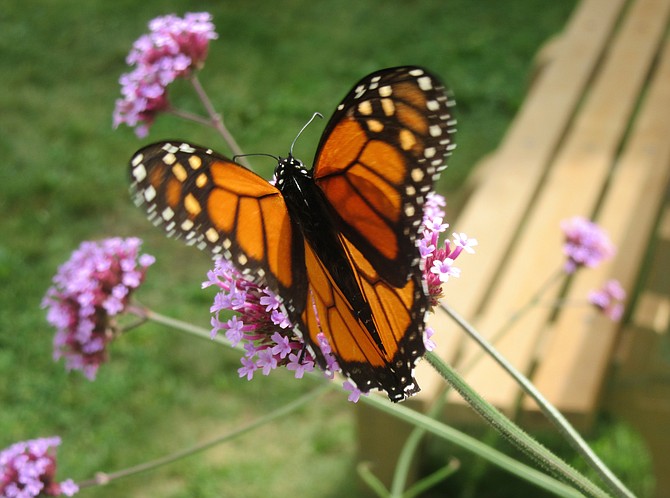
(92, 287)
(609, 299)
(28, 469)
(174, 48)
(586, 244)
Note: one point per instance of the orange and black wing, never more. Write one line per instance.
(378, 159)
(381, 152)
(217, 204)
(384, 360)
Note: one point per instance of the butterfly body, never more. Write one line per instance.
(336, 242)
(310, 210)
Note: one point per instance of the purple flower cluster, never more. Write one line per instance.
(609, 299)
(260, 325)
(93, 286)
(28, 469)
(439, 261)
(173, 49)
(586, 244)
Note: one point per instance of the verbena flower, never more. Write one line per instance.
(354, 392)
(609, 299)
(28, 469)
(268, 337)
(92, 287)
(174, 48)
(260, 325)
(586, 244)
(438, 261)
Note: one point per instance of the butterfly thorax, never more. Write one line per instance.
(310, 211)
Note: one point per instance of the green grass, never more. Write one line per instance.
(63, 180)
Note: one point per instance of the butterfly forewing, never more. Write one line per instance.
(378, 159)
(214, 203)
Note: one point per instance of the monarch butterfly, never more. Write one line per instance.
(337, 242)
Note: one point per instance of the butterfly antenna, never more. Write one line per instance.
(303, 129)
(236, 156)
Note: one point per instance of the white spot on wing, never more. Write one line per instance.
(139, 172)
(425, 83)
(385, 91)
(167, 213)
(432, 105)
(212, 235)
(169, 158)
(150, 193)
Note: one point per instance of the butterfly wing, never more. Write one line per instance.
(381, 152)
(397, 315)
(377, 160)
(215, 203)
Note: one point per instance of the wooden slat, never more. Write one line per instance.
(652, 312)
(495, 208)
(573, 187)
(573, 370)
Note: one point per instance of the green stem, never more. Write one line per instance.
(511, 431)
(473, 445)
(564, 427)
(189, 116)
(433, 479)
(429, 425)
(217, 120)
(189, 328)
(533, 301)
(409, 449)
(103, 478)
(411, 445)
(502, 331)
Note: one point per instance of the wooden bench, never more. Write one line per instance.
(592, 138)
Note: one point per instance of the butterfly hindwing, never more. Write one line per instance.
(397, 313)
(216, 204)
(381, 152)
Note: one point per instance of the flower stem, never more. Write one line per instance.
(102, 478)
(411, 446)
(189, 116)
(473, 445)
(533, 301)
(189, 328)
(216, 120)
(506, 327)
(511, 431)
(562, 424)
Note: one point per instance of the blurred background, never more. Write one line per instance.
(63, 179)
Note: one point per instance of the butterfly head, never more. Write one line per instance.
(289, 168)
